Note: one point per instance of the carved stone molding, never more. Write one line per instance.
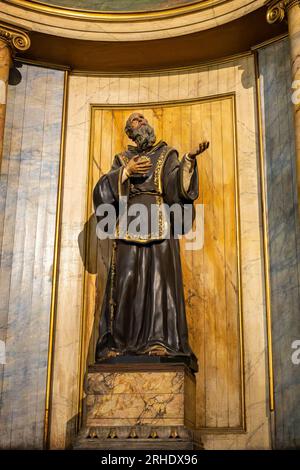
(17, 39)
(277, 9)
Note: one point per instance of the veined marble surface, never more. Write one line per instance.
(284, 235)
(137, 398)
(135, 382)
(29, 177)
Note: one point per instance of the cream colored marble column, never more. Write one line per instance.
(290, 10)
(11, 40)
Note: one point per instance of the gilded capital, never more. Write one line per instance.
(277, 9)
(17, 39)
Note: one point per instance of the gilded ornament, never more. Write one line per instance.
(277, 10)
(17, 39)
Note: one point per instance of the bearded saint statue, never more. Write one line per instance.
(143, 311)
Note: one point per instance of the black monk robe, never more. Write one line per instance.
(143, 306)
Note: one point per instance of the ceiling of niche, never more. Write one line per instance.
(119, 5)
(114, 20)
(138, 56)
(126, 41)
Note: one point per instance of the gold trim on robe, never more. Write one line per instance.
(158, 182)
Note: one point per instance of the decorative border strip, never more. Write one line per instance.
(117, 17)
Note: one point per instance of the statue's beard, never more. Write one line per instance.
(144, 136)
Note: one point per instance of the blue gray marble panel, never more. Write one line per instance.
(284, 236)
(28, 193)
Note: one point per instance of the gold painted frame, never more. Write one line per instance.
(90, 15)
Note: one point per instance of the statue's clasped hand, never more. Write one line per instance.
(197, 150)
(138, 165)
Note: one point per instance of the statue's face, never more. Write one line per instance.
(137, 120)
(138, 129)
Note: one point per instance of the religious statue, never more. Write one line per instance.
(143, 311)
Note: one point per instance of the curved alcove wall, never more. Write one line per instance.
(164, 56)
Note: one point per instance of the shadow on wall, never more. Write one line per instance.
(95, 255)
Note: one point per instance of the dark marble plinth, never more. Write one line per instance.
(189, 362)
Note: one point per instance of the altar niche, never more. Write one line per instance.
(212, 283)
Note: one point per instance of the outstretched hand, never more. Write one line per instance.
(197, 150)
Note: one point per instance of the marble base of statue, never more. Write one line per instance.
(139, 403)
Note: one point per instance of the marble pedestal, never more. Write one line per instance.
(139, 406)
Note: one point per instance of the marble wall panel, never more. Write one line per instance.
(29, 177)
(284, 235)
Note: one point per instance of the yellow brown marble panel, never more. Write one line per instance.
(139, 406)
(136, 382)
(136, 398)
